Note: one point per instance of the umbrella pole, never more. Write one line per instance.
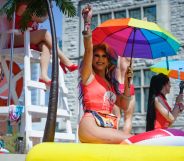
(132, 46)
(167, 62)
(179, 73)
(181, 87)
(132, 53)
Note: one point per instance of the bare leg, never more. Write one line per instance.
(44, 62)
(116, 111)
(128, 115)
(63, 58)
(123, 63)
(36, 37)
(89, 132)
(42, 35)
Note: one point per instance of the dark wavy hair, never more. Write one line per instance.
(156, 84)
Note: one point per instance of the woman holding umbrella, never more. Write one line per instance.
(41, 40)
(99, 91)
(159, 113)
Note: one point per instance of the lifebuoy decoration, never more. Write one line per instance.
(17, 83)
(166, 137)
(4, 151)
(168, 145)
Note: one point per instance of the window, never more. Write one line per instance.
(142, 79)
(147, 77)
(135, 13)
(94, 22)
(106, 16)
(150, 13)
(141, 12)
(120, 14)
(137, 83)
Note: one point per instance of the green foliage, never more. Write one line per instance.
(66, 7)
(35, 7)
(8, 8)
(10, 142)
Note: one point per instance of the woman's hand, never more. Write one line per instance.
(181, 106)
(87, 15)
(179, 102)
(128, 76)
(179, 98)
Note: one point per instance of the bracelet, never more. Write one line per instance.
(179, 107)
(86, 33)
(87, 24)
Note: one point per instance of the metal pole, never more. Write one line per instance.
(167, 62)
(11, 60)
(132, 51)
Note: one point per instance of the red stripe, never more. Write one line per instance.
(148, 135)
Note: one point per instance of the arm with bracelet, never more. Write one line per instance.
(169, 115)
(124, 99)
(98, 91)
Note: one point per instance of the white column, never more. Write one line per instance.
(27, 78)
(163, 14)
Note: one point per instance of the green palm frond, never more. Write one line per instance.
(67, 7)
(39, 8)
(35, 7)
(8, 8)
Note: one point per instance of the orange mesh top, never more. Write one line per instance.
(98, 96)
(161, 121)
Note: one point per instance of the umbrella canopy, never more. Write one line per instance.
(131, 37)
(176, 68)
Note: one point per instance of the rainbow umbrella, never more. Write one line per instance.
(176, 68)
(131, 37)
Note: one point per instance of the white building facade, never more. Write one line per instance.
(169, 14)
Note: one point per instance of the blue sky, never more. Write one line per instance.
(57, 19)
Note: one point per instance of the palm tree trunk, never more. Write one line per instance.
(50, 126)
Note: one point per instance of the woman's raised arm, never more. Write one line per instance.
(86, 68)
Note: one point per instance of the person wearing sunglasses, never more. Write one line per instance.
(99, 91)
